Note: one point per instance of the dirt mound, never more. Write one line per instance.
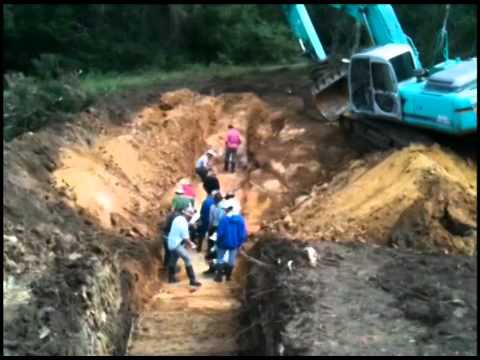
(420, 197)
(358, 300)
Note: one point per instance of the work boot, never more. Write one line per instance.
(191, 276)
(171, 275)
(210, 271)
(228, 272)
(219, 273)
(199, 243)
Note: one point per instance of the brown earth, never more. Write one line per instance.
(420, 197)
(359, 300)
(83, 202)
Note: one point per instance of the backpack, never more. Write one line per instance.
(169, 221)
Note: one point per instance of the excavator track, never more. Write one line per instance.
(383, 135)
(380, 134)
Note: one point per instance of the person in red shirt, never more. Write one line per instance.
(232, 142)
(188, 190)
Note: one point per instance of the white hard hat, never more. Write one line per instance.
(189, 211)
(179, 191)
(211, 152)
(184, 181)
(226, 204)
(231, 204)
(235, 209)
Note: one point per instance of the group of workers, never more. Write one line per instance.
(220, 220)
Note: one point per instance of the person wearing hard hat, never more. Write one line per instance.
(230, 196)
(204, 163)
(231, 234)
(180, 201)
(178, 241)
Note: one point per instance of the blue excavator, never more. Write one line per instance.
(388, 87)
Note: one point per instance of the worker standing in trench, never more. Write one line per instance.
(204, 218)
(216, 213)
(188, 190)
(232, 142)
(204, 163)
(211, 182)
(231, 234)
(178, 240)
(180, 201)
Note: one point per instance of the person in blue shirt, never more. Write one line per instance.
(231, 234)
(204, 219)
(216, 213)
(177, 241)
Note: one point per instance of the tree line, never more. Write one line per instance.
(107, 37)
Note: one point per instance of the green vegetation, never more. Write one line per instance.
(107, 83)
(71, 53)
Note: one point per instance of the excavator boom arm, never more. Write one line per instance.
(380, 20)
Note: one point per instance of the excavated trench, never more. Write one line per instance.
(85, 201)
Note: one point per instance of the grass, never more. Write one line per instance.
(28, 111)
(102, 84)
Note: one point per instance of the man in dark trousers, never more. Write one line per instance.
(166, 231)
(204, 219)
(178, 242)
(232, 143)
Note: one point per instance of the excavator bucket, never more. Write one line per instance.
(330, 90)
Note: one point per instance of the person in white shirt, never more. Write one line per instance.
(204, 163)
(178, 239)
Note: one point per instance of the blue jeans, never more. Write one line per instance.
(232, 254)
(180, 251)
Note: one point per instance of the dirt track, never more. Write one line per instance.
(83, 203)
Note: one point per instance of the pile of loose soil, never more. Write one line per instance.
(358, 300)
(419, 197)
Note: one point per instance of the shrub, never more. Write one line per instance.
(29, 102)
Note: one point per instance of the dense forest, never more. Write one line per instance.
(125, 37)
(48, 42)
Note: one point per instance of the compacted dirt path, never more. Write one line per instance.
(181, 321)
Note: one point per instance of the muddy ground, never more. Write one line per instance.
(359, 300)
(83, 203)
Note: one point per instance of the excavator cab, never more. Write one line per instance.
(374, 76)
